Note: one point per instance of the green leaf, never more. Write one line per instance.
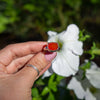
(74, 3)
(86, 66)
(95, 1)
(52, 84)
(3, 22)
(93, 51)
(40, 82)
(37, 98)
(2, 28)
(51, 96)
(59, 78)
(45, 91)
(35, 92)
(83, 37)
(29, 7)
(94, 46)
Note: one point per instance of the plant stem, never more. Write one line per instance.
(96, 51)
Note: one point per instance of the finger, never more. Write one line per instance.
(3, 69)
(19, 50)
(47, 67)
(40, 60)
(18, 63)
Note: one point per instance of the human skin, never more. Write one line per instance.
(16, 78)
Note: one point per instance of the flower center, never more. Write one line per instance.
(93, 90)
(60, 43)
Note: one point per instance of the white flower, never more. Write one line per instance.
(82, 88)
(79, 90)
(89, 95)
(67, 60)
(77, 87)
(93, 75)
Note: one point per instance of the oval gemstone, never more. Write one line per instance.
(52, 46)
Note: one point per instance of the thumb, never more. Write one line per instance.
(40, 61)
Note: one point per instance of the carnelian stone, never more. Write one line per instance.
(53, 46)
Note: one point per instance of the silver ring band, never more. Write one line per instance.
(34, 68)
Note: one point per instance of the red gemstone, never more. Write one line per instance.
(52, 46)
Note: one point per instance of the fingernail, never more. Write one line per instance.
(50, 56)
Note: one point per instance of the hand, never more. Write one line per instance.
(16, 78)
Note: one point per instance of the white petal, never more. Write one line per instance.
(94, 77)
(73, 29)
(94, 66)
(66, 63)
(89, 95)
(53, 38)
(75, 47)
(71, 33)
(51, 33)
(59, 67)
(76, 86)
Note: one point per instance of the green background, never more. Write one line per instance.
(29, 20)
(23, 20)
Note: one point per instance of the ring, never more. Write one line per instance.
(51, 47)
(34, 68)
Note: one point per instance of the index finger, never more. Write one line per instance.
(14, 51)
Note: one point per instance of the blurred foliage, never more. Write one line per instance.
(27, 18)
(51, 89)
(83, 37)
(86, 66)
(33, 18)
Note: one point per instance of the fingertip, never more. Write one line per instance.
(50, 56)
